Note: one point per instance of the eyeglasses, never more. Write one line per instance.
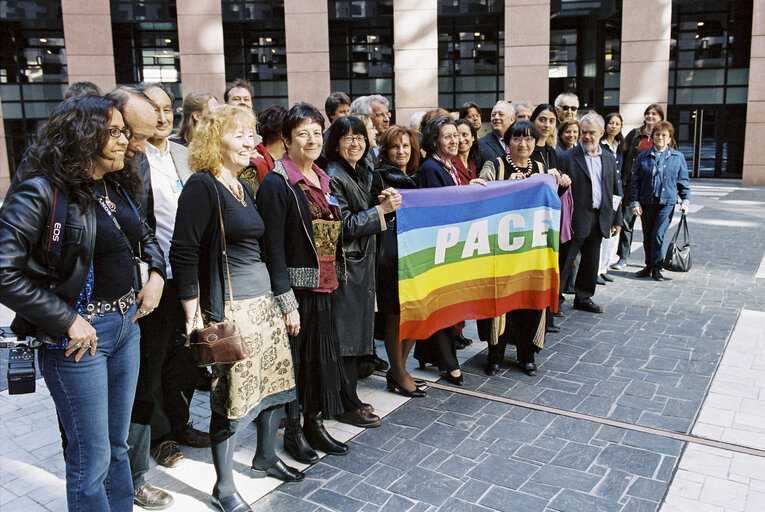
(569, 107)
(114, 133)
(383, 114)
(449, 138)
(527, 140)
(358, 139)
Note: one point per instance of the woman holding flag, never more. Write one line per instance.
(524, 328)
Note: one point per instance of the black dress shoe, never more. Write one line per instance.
(231, 503)
(459, 345)
(465, 341)
(607, 278)
(492, 369)
(656, 275)
(530, 369)
(280, 471)
(395, 387)
(552, 329)
(600, 280)
(359, 418)
(559, 314)
(644, 272)
(364, 369)
(457, 381)
(588, 305)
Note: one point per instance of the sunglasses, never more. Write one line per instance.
(568, 107)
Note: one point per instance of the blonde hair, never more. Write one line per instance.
(192, 103)
(204, 149)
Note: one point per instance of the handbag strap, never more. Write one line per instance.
(683, 225)
(225, 253)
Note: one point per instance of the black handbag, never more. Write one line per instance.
(387, 253)
(678, 259)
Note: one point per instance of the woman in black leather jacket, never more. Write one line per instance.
(363, 218)
(69, 231)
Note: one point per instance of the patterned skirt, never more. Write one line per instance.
(267, 377)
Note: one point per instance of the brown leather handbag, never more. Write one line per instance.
(218, 343)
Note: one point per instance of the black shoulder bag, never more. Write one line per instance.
(678, 259)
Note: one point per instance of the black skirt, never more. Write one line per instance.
(316, 354)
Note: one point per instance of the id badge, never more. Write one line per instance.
(177, 186)
(331, 200)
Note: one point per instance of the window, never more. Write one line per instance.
(471, 49)
(33, 73)
(361, 47)
(254, 46)
(145, 38)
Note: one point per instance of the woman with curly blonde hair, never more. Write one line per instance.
(234, 287)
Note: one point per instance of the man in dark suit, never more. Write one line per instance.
(595, 190)
(492, 145)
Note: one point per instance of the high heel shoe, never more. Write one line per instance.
(457, 381)
(318, 437)
(395, 387)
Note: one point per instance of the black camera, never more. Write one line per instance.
(21, 362)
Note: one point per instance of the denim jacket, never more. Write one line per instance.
(674, 178)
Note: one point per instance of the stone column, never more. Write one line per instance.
(644, 76)
(415, 57)
(200, 41)
(306, 31)
(5, 168)
(527, 50)
(754, 151)
(88, 40)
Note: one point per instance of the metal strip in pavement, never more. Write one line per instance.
(596, 419)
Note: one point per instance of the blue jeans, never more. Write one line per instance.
(655, 220)
(94, 399)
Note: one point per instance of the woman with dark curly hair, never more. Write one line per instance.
(70, 238)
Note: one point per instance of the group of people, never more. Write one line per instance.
(286, 228)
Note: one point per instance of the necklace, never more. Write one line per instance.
(109, 204)
(526, 173)
(237, 191)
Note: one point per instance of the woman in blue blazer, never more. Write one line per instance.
(660, 175)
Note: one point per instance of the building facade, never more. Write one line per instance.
(702, 59)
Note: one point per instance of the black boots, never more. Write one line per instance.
(266, 463)
(296, 444)
(318, 437)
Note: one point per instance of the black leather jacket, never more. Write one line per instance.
(42, 297)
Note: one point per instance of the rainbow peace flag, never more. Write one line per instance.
(475, 252)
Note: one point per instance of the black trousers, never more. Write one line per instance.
(520, 329)
(166, 381)
(589, 248)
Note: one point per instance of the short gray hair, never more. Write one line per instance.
(508, 105)
(416, 119)
(522, 103)
(564, 95)
(363, 104)
(593, 117)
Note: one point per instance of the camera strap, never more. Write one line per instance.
(56, 229)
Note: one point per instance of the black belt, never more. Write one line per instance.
(121, 305)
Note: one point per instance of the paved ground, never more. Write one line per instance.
(620, 418)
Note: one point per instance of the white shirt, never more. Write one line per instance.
(166, 188)
(595, 166)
